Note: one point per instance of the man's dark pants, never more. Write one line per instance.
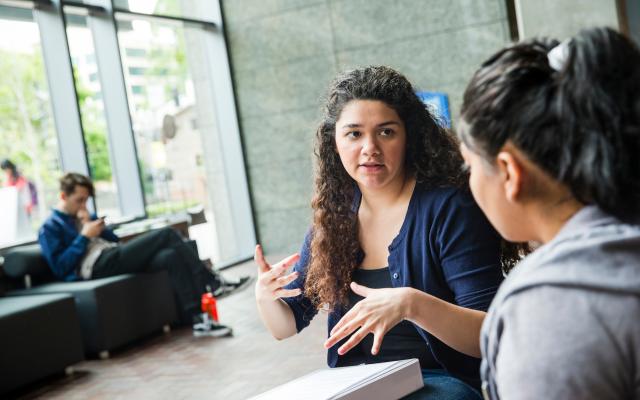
(158, 250)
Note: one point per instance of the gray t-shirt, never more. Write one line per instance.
(95, 247)
(565, 323)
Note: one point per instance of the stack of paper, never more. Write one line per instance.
(383, 381)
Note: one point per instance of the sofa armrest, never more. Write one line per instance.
(24, 261)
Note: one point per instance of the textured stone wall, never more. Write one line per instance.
(562, 19)
(285, 52)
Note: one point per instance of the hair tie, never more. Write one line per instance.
(558, 56)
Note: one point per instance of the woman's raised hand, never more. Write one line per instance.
(272, 278)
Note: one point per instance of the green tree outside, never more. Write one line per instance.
(95, 133)
(26, 123)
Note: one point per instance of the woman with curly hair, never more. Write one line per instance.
(395, 223)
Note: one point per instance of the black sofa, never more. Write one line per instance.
(39, 336)
(112, 311)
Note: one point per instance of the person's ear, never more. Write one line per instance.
(62, 196)
(512, 174)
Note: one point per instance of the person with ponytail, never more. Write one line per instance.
(395, 224)
(551, 134)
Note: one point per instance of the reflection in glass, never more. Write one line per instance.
(27, 129)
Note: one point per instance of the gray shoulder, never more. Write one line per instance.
(561, 342)
(565, 308)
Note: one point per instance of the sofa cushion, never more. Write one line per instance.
(117, 310)
(40, 335)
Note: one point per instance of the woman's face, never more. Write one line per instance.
(371, 139)
(490, 187)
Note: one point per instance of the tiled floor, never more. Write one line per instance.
(180, 366)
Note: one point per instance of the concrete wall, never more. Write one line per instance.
(565, 18)
(633, 19)
(285, 52)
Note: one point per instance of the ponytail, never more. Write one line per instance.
(572, 108)
(599, 105)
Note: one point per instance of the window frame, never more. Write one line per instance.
(101, 20)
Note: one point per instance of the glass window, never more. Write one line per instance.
(27, 127)
(136, 71)
(135, 52)
(165, 104)
(94, 123)
(168, 95)
(194, 9)
(137, 89)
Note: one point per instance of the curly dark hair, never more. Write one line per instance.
(432, 157)
(580, 122)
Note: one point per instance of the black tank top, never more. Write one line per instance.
(401, 342)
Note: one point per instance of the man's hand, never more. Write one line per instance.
(92, 229)
(83, 215)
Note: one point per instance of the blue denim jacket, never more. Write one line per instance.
(447, 248)
(63, 246)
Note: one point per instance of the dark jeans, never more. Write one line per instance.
(159, 250)
(440, 385)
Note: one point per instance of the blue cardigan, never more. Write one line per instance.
(63, 246)
(447, 248)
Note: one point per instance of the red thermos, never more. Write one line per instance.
(208, 306)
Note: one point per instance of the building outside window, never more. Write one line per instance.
(163, 103)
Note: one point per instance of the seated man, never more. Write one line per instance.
(79, 246)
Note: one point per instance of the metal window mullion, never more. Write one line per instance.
(233, 158)
(123, 155)
(64, 103)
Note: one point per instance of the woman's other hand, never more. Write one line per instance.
(272, 279)
(377, 313)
